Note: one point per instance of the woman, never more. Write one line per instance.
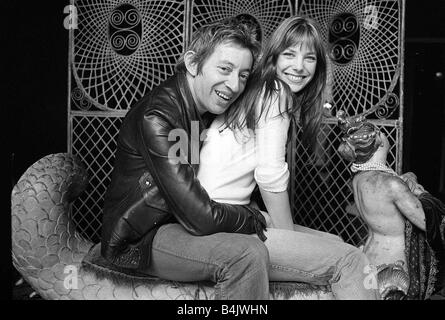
(246, 146)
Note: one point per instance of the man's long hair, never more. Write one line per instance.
(293, 31)
(208, 37)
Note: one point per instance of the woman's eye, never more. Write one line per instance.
(244, 76)
(311, 58)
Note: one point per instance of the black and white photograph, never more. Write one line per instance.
(250, 151)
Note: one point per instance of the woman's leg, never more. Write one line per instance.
(300, 228)
(328, 235)
(305, 257)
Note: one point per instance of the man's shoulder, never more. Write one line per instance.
(165, 95)
(162, 100)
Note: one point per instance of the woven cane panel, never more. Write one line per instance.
(265, 15)
(94, 142)
(320, 188)
(364, 47)
(123, 48)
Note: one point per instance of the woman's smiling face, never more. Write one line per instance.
(296, 66)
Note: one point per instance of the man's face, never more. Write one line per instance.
(222, 79)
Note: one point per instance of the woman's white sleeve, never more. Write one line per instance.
(271, 172)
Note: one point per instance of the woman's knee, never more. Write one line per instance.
(336, 237)
(357, 258)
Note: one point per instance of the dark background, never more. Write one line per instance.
(35, 83)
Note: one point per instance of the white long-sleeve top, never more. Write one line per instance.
(233, 161)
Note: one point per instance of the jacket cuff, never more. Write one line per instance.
(259, 223)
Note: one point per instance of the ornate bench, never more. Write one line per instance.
(60, 264)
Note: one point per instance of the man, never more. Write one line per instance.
(158, 220)
(393, 208)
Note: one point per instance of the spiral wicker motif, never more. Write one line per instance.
(344, 37)
(363, 39)
(122, 49)
(78, 97)
(391, 103)
(112, 81)
(125, 29)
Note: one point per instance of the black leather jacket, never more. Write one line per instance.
(148, 189)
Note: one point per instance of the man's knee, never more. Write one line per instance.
(253, 252)
(243, 271)
(257, 250)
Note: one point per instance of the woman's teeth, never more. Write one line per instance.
(295, 78)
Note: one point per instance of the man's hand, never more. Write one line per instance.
(269, 223)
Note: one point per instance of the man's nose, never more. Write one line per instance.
(233, 83)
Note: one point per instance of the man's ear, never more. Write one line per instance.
(190, 65)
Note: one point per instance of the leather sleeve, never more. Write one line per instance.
(177, 182)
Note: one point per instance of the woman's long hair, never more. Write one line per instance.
(309, 101)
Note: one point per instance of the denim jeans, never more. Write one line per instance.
(237, 263)
(316, 257)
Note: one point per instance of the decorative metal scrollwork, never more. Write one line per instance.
(344, 38)
(385, 110)
(125, 29)
(364, 48)
(80, 100)
(123, 48)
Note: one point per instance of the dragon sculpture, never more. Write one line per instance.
(50, 254)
